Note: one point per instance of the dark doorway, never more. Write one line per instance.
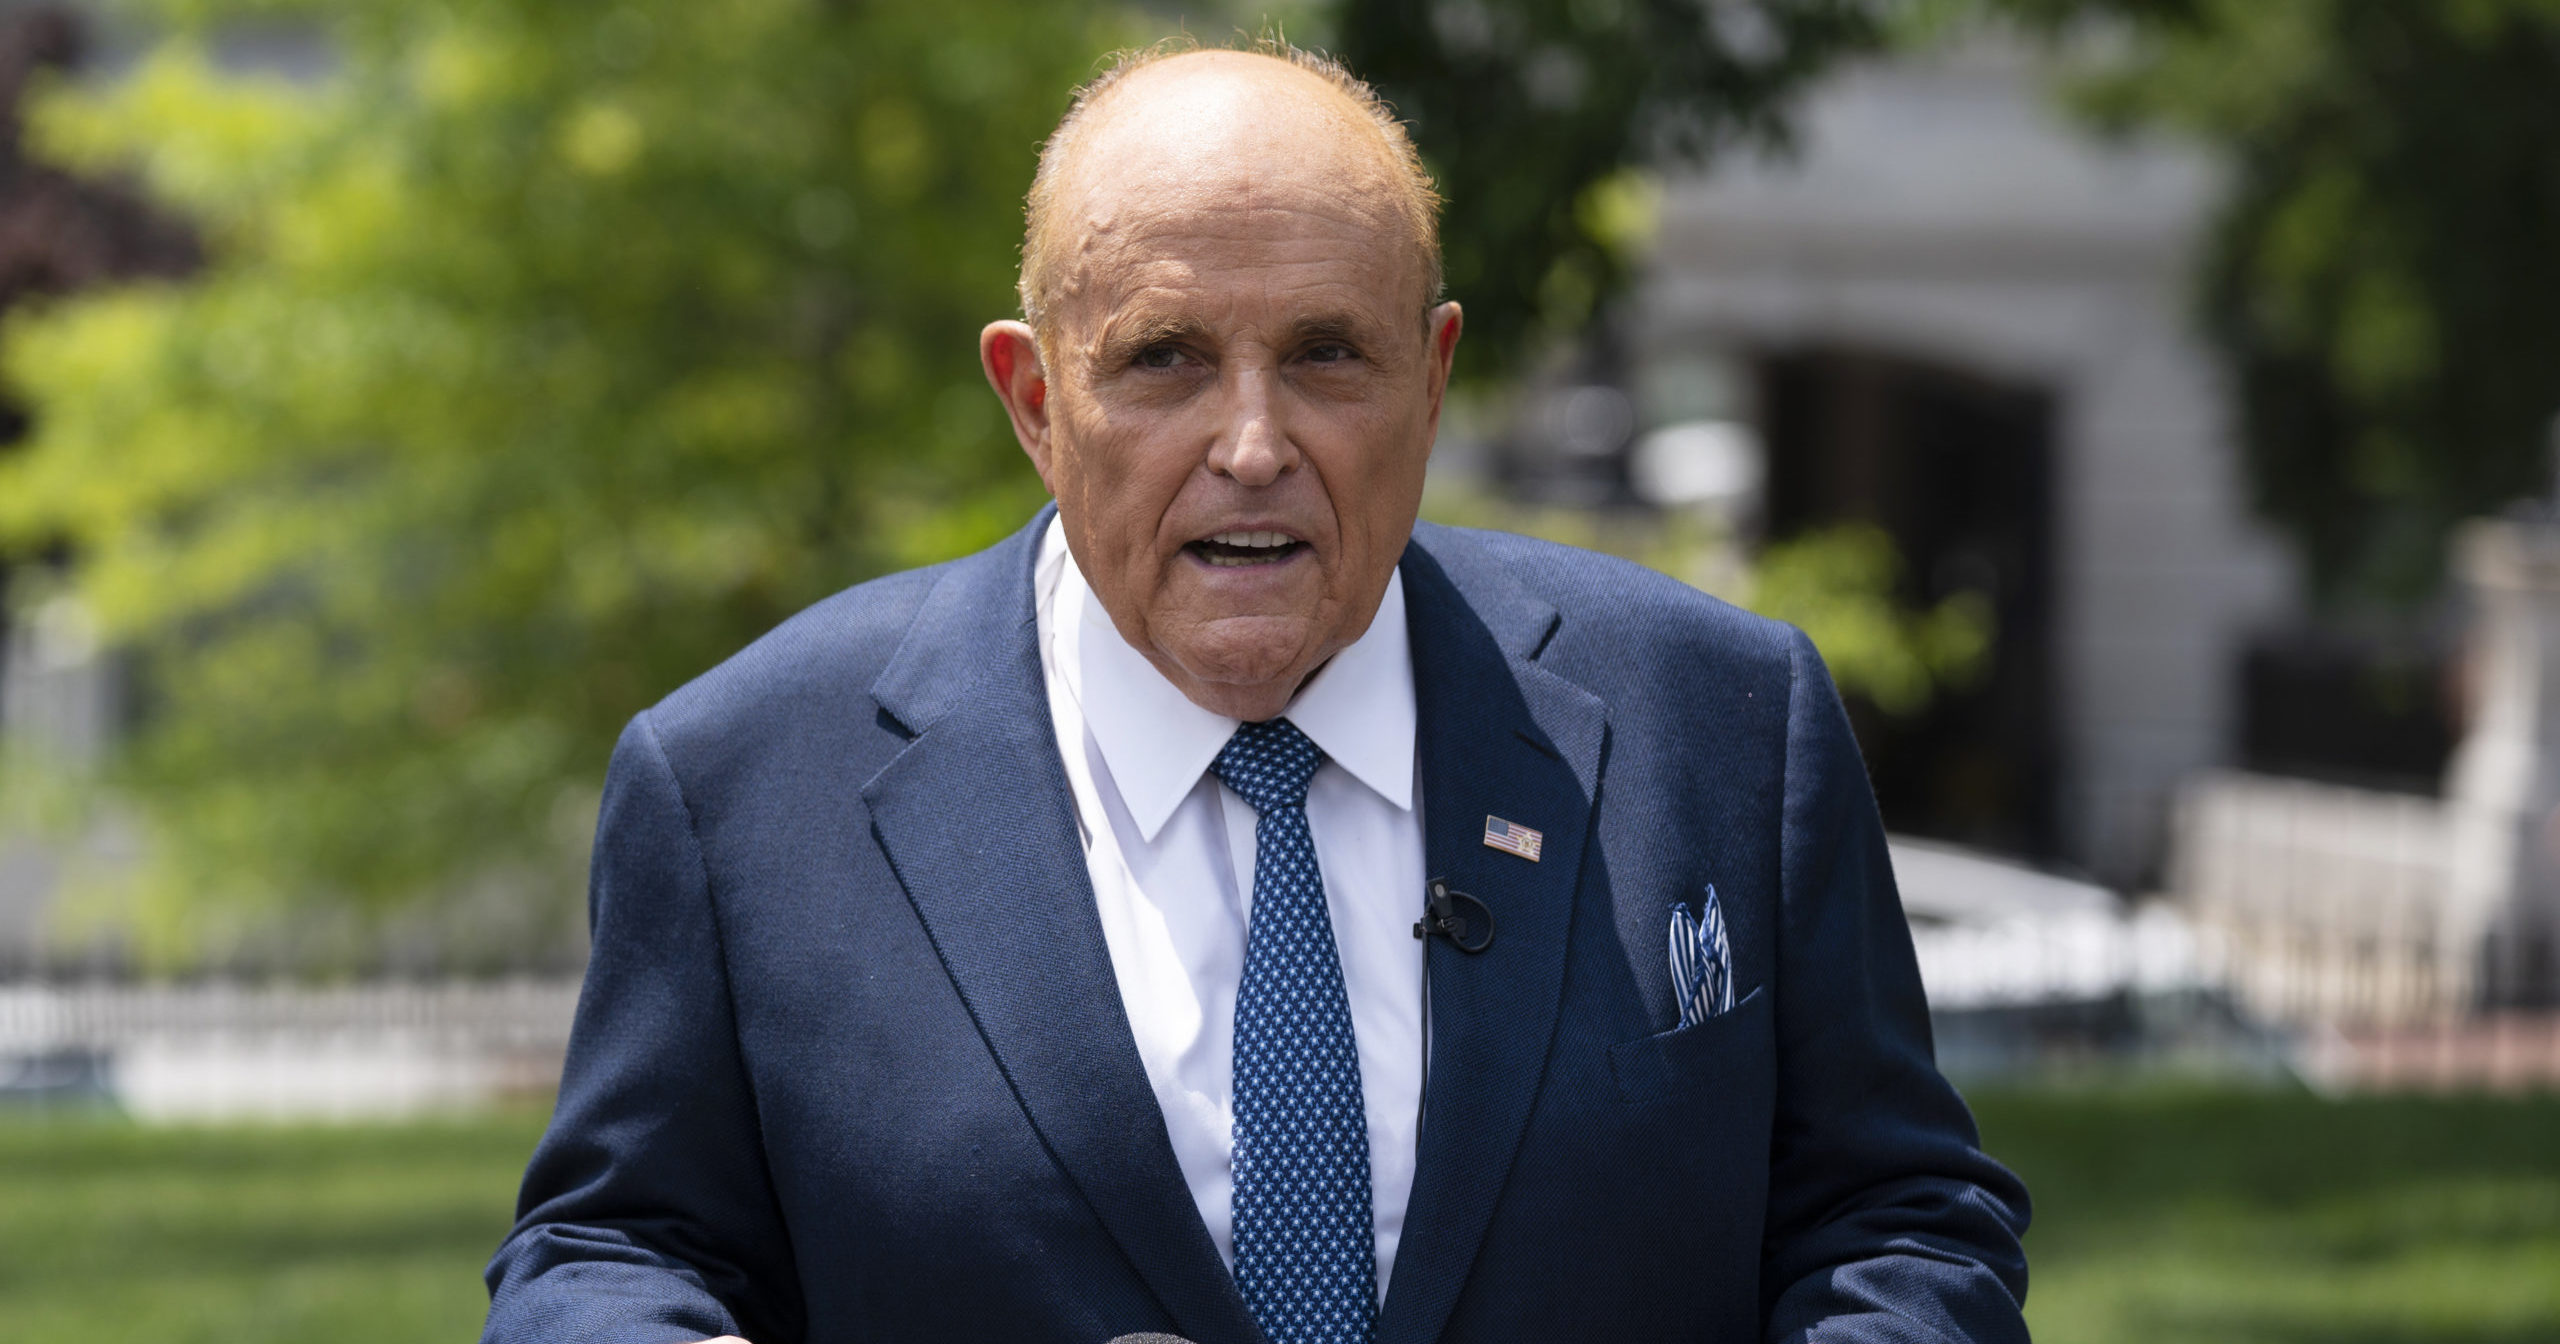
(1958, 470)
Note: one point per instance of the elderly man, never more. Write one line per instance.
(1230, 908)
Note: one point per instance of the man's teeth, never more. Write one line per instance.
(1244, 541)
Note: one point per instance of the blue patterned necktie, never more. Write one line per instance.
(1306, 1253)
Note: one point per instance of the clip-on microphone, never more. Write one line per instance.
(1470, 929)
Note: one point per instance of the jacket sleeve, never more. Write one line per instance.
(1886, 1221)
(647, 1214)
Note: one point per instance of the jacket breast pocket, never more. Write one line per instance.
(1724, 1058)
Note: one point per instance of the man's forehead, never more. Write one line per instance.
(1272, 220)
(1219, 260)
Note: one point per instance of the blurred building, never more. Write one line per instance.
(1957, 315)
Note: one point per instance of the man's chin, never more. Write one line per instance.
(1245, 667)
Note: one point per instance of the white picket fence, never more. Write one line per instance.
(231, 1051)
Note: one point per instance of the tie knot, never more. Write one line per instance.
(1268, 764)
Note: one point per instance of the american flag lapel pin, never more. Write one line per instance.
(1513, 838)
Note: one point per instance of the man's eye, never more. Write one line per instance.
(1159, 357)
(1331, 352)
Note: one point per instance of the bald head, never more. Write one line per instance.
(1172, 129)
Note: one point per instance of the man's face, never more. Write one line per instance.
(1241, 391)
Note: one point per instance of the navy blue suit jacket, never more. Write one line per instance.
(851, 1065)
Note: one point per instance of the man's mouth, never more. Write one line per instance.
(1227, 549)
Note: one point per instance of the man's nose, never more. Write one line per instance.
(1253, 445)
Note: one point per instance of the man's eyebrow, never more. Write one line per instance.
(1362, 331)
(1328, 327)
(1122, 340)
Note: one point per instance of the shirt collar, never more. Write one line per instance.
(1359, 709)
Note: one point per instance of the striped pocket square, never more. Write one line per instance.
(1701, 961)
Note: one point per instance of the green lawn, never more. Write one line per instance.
(113, 1234)
(2195, 1217)
(2222, 1218)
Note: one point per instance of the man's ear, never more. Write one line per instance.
(1443, 324)
(1010, 353)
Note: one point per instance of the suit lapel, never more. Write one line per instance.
(1498, 737)
(977, 819)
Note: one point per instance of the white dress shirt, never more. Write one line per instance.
(1171, 852)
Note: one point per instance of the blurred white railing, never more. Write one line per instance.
(2329, 903)
(520, 1012)
(1992, 933)
(216, 1051)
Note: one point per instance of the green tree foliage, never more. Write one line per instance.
(547, 354)
(2384, 280)
(1842, 585)
(1532, 113)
